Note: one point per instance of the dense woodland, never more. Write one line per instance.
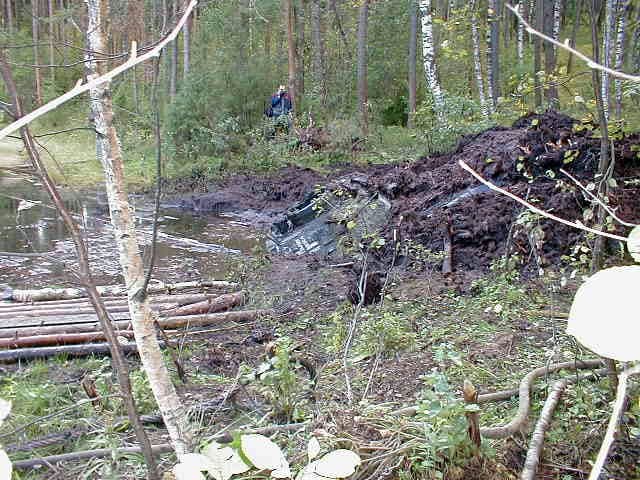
(440, 279)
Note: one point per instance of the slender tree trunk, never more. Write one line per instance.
(603, 165)
(173, 70)
(429, 57)
(574, 33)
(413, 59)
(9, 16)
(635, 43)
(186, 48)
(36, 55)
(339, 27)
(142, 318)
(318, 49)
(607, 50)
(119, 362)
(477, 59)
(520, 37)
(268, 35)
(363, 89)
(557, 16)
(299, 16)
(493, 53)
(620, 41)
(291, 50)
(551, 92)
(51, 39)
(537, 53)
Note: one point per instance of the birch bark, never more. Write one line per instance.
(607, 39)
(142, 318)
(429, 57)
(363, 91)
(477, 61)
(620, 40)
(520, 37)
(413, 55)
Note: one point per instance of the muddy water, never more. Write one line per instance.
(189, 246)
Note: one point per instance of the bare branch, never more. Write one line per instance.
(95, 81)
(590, 63)
(607, 208)
(535, 209)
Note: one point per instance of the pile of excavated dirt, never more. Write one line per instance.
(433, 197)
(434, 192)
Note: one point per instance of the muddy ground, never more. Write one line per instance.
(493, 349)
(433, 194)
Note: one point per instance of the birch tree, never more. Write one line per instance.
(493, 54)
(429, 57)
(620, 41)
(607, 41)
(142, 318)
(477, 61)
(291, 50)
(520, 36)
(413, 59)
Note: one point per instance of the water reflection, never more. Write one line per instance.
(188, 247)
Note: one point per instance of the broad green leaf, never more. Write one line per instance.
(5, 409)
(604, 313)
(313, 448)
(262, 452)
(282, 472)
(5, 465)
(633, 244)
(308, 473)
(337, 464)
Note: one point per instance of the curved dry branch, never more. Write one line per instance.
(537, 439)
(516, 424)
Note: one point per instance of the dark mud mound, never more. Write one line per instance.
(434, 196)
(250, 192)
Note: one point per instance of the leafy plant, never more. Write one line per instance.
(5, 464)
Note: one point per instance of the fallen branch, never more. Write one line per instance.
(516, 424)
(614, 420)
(524, 392)
(47, 294)
(537, 439)
(224, 437)
(536, 209)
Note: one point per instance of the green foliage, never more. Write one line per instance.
(283, 385)
(385, 332)
(461, 116)
(443, 425)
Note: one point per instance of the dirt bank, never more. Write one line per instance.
(433, 193)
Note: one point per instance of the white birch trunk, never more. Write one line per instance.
(142, 318)
(429, 57)
(477, 62)
(557, 10)
(622, 28)
(520, 36)
(490, 19)
(609, 25)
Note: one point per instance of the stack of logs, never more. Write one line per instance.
(42, 323)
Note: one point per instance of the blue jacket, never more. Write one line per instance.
(281, 104)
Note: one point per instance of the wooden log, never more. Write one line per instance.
(74, 311)
(179, 299)
(210, 305)
(47, 294)
(71, 350)
(18, 322)
(93, 328)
